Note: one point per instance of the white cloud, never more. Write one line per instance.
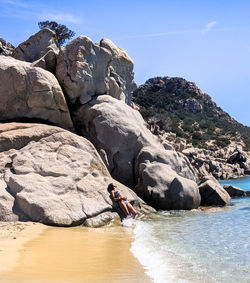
(208, 27)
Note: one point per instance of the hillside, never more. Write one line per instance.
(179, 106)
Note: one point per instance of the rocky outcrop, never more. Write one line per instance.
(215, 162)
(212, 193)
(41, 49)
(55, 177)
(236, 192)
(163, 188)
(31, 93)
(223, 163)
(85, 69)
(6, 48)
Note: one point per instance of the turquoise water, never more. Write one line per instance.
(197, 246)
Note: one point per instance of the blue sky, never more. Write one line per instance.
(207, 42)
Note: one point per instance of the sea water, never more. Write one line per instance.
(210, 245)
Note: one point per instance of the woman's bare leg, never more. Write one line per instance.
(124, 207)
(131, 209)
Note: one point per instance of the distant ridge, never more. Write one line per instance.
(179, 106)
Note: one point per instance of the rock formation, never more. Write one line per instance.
(56, 177)
(120, 135)
(223, 163)
(53, 176)
(31, 93)
(85, 69)
(41, 49)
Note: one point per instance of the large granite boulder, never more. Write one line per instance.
(30, 92)
(6, 48)
(54, 177)
(212, 193)
(41, 49)
(122, 139)
(85, 69)
(163, 188)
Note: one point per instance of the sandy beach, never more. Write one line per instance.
(32, 252)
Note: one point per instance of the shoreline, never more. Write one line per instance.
(39, 253)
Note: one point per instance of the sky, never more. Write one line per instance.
(206, 42)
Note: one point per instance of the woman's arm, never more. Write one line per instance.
(124, 197)
(114, 197)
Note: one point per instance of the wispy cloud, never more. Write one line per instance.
(35, 10)
(203, 31)
(161, 34)
(208, 27)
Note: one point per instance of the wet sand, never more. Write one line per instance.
(78, 254)
(13, 235)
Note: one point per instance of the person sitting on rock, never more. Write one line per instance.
(124, 204)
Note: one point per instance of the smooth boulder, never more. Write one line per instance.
(163, 188)
(28, 92)
(176, 160)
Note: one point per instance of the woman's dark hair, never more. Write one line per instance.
(110, 187)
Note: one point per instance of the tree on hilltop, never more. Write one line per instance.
(62, 32)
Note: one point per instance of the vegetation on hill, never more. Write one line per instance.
(179, 106)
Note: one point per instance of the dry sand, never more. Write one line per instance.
(32, 252)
